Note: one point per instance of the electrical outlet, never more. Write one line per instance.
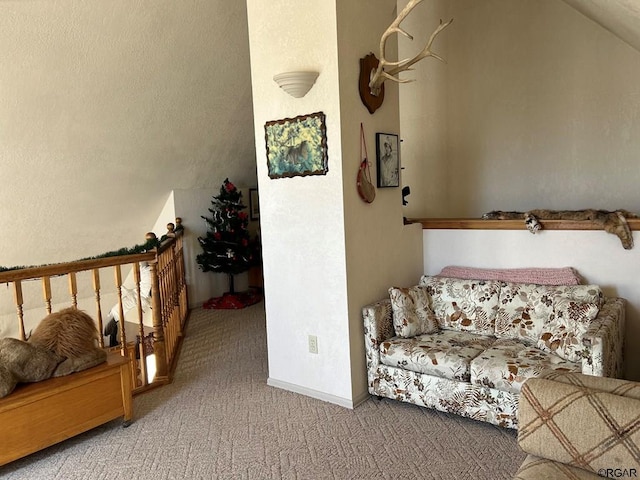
(313, 344)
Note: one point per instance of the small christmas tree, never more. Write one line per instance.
(227, 247)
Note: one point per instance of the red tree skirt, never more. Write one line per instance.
(234, 300)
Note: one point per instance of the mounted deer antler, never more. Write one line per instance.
(377, 75)
(380, 74)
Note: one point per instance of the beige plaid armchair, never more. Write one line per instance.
(576, 426)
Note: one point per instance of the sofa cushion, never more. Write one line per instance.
(446, 353)
(411, 313)
(525, 308)
(465, 305)
(563, 334)
(508, 363)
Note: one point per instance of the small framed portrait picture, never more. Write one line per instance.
(388, 160)
(254, 204)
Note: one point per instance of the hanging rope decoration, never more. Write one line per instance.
(366, 190)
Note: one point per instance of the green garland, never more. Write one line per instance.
(140, 248)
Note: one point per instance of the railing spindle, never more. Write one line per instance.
(176, 292)
(141, 349)
(117, 273)
(46, 292)
(73, 291)
(175, 320)
(160, 264)
(158, 331)
(96, 289)
(174, 283)
(183, 299)
(17, 295)
(171, 303)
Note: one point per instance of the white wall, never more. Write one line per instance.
(598, 257)
(537, 107)
(318, 236)
(105, 108)
(301, 218)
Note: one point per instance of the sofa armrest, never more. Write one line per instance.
(378, 326)
(603, 341)
(575, 424)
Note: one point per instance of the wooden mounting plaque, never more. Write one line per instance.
(372, 102)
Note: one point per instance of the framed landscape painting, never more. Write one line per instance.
(297, 147)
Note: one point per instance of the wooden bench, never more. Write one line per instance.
(37, 415)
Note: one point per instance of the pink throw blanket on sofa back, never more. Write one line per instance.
(539, 276)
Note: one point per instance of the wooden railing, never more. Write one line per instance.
(172, 303)
(155, 347)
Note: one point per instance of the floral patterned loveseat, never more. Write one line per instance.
(467, 346)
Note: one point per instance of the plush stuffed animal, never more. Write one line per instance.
(63, 342)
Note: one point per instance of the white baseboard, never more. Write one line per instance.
(325, 397)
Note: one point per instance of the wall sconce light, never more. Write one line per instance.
(296, 84)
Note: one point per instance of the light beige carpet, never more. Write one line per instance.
(220, 420)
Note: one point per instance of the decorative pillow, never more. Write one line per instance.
(563, 334)
(465, 305)
(411, 313)
(582, 293)
(525, 309)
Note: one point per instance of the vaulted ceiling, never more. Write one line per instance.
(620, 17)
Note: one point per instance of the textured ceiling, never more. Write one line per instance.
(620, 17)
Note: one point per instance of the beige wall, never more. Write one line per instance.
(537, 107)
(380, 251)
(105, 108)
(621, 17)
